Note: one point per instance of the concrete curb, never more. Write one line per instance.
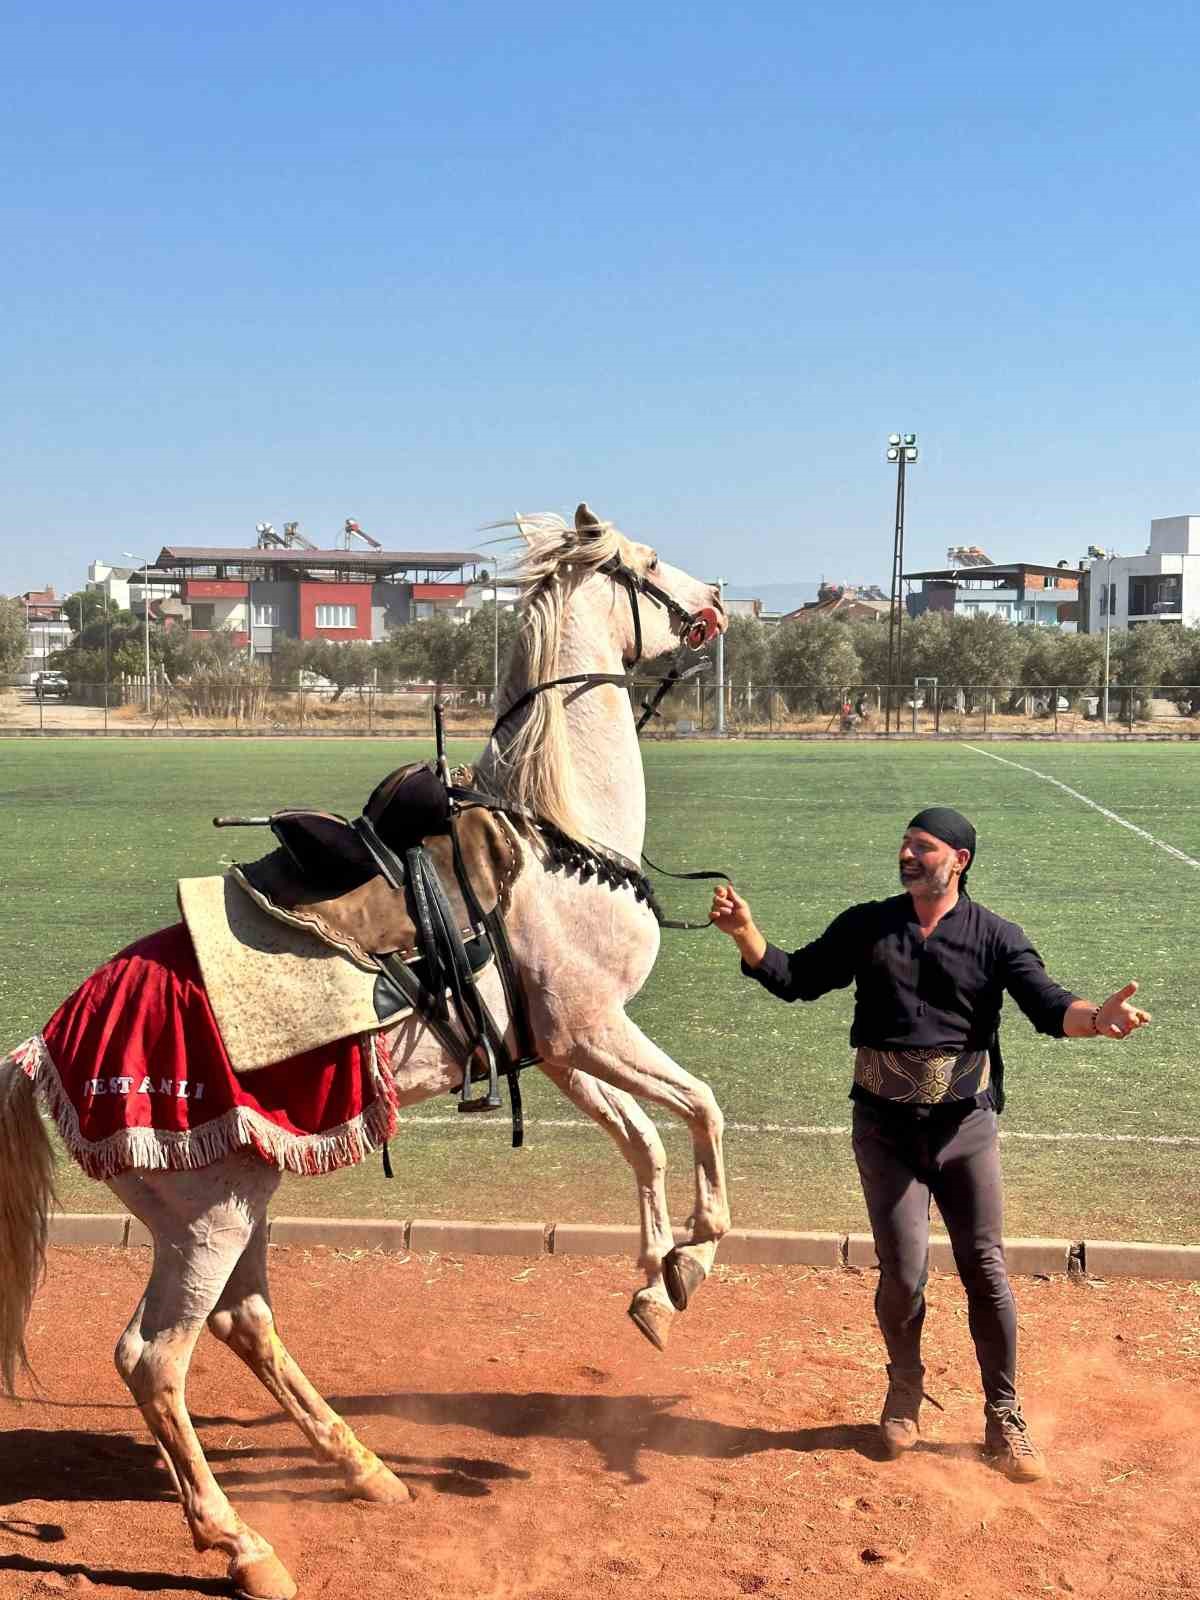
(1100, 1258)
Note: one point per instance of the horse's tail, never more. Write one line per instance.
(26, 1195)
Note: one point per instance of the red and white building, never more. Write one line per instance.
(258, 595)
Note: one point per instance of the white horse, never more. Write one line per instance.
(583, 951)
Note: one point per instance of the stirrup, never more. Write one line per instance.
(490, 1100)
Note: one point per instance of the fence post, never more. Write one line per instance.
(1055, 691)
(985, 708)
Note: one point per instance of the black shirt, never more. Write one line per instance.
(944, 991)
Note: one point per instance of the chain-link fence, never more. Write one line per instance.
(695, 708)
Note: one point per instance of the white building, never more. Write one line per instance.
(1163, 585)
(127, 586)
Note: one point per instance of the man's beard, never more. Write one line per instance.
(929, 880)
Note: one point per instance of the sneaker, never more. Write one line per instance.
(899, 1427)
(1007, 1444)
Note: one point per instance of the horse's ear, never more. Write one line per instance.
(587, 523)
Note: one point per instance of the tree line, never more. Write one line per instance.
(824, 656)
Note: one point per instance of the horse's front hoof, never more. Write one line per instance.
(264, 1579)
(682, 1275)
(381, 1488)
(651, 1318)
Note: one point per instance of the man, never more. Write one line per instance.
(930, 967)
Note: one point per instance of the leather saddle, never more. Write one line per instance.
(416, 887)
(328, 876)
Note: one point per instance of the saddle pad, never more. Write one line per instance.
(374, 919)
(275, 991)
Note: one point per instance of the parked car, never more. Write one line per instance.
(50, 686)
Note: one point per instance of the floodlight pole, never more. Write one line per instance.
(901, 449)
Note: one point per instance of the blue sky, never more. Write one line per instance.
(422, 264)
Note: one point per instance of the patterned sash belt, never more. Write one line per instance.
(922, 1077)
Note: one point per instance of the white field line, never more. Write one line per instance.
(1112, 816)
(801, 1131)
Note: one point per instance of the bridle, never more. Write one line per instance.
(694, 628)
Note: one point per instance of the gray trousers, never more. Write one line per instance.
(904, 1163)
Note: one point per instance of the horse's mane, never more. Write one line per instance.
(531, 763)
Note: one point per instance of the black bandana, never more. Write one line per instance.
(952, 828)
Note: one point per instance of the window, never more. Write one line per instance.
(202, 616)
(265, 615)
(337, 616)
(1151, 597)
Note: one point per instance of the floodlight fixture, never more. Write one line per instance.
(910, 438)
(909, 453)
(893, 453)
(893, 438)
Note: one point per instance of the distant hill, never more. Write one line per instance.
(774, 596)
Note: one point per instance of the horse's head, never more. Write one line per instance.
(661, 606)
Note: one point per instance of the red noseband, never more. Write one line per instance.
(703, 629)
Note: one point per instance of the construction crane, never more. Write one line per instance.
(353, 531)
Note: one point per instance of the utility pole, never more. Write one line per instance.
(1108, 557)
(145, 561)
(901, 449)
(720, 727)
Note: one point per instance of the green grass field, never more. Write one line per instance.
(95, 834)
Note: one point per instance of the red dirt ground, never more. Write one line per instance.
(554, 1454)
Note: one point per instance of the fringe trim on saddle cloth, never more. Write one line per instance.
(242, 1127)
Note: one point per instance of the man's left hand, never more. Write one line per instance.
(1117, 1018)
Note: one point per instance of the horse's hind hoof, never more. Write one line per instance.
(682, 1276)
(264, 1579)
(381, 1488)
(651, 1318)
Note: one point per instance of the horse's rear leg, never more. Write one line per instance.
(638, 1141)
(201, 1222)
(619, 1053)
(244, 1321)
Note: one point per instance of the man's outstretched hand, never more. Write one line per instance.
(1116, 1018)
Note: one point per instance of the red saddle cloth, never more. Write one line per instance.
(134, 1072)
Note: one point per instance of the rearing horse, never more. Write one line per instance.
(594, 602)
